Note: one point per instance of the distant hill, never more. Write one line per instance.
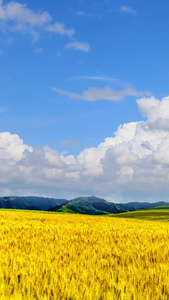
(83, 205)
(30, 203)
(132, 206)
(97, 206)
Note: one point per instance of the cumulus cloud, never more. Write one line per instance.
(79, 46)
(93, 94)
(132, 165)
(12, 147)
(157, 111)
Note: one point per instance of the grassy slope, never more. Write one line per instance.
(160, 213)
(152, 214)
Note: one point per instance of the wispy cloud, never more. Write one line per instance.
(38, 50)
(15, 16)
(96, 78)
(124, 9)
(79, 46)
(117, 83)
(94, 94)
(18, 17)
(82, 13)
(66, 143)
(60, 29)
(127, 9)
(3, 109)
(4, 77)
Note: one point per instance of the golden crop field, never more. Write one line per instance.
(61, 256)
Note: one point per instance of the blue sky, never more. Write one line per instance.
(71, 74)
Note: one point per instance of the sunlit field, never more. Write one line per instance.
(61, 256)
(154, 214)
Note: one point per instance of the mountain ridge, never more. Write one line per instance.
(91, 205)
(96, 206)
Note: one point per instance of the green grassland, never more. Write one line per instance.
(160, 213)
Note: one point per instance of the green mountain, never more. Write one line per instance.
(89, 205)
(30, 203)
(83, 205)
(97, 206)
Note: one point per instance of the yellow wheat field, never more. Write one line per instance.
(57, 256)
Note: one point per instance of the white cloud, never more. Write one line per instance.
(60, 29)
(12, 147)
(93, 94)
(18, 17)
(127, 9)
(22, 16)
(157, 111)
(79, 46)
(131, 165)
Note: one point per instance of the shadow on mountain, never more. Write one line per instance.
(29, 203)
